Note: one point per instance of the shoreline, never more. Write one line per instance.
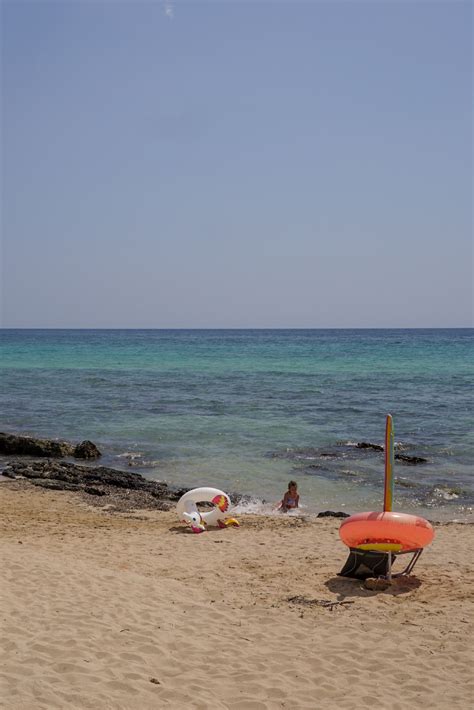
(130, 610)
(121, 490)
(328, 475)
(57, 453)
(164, 494)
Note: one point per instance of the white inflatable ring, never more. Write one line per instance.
(188, 504)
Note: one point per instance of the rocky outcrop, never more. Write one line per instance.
(86, 450)
(368, 445)
(13, 445)
(120, 490)
(342, 450)
(410, 459)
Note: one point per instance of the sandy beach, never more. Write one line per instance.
(131, 610)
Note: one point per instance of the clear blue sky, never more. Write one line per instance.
(246, 164)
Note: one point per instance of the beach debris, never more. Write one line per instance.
(377, 584)
(155, 681)
(325, 603)
(332, 514)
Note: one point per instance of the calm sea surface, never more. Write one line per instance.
(246, 410)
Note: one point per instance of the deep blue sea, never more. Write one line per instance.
(247, 410)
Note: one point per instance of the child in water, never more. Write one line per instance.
(290, 499)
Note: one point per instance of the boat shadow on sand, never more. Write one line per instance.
(346, 588)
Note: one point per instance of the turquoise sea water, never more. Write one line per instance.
(246, 410)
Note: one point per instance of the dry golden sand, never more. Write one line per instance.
(120, 611)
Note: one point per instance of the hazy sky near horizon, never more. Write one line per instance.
(237, 164)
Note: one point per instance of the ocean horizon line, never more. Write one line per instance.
(240, 328)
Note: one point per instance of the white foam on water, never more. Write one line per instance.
(445, 494)
(259, 507)
(254, 505)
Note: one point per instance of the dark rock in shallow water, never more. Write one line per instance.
(343, 450)
(13, 445)
(331, 514)
(86, 450)
(368, 445)
(10, 444)
(336, 451)
(410, 459)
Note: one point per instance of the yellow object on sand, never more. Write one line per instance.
(381, 546)
(232, 521)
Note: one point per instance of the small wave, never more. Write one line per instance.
(250, 504)
(405, 483)
(136, 460)
(307, 454)
(348, 472)
(359, 444)
(145, 463)
(401, 446)
(447, 493)
(398, 445)
(257, 506)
